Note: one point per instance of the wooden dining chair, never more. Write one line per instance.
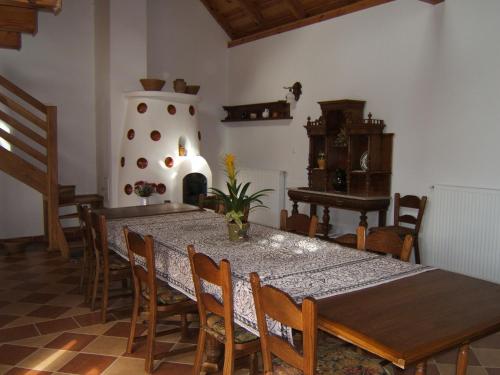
(168, 302)
(211, 202)
(88, 262)
(402, 218)
(216, 318)
(320, 354)
(299, 223)
(386, 242)
(108, 267)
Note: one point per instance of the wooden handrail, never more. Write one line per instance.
(13, 140)
(22, 94)
(9, 103)
(25, 172)
(11, 121)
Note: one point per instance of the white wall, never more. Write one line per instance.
(56, 66)
(184, 41)
(431, 72)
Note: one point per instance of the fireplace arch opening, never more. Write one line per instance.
(193, 184)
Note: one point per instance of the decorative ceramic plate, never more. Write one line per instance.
(363, 161)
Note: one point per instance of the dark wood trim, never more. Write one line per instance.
(16, 107)
(10, 40)
(23, 95)
(252, 11)
(22, 170)
(34, 136)
(52, 5)
(296, 8)
(220, 20)
(18, 19)
(432, 2)
(16, 142)
(360, 5)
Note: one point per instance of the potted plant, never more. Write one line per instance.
(236, 201)
(321, 160)
(144, 190)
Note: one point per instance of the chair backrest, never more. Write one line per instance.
(83, 219)
(299, 223)
(204, 268)
(211, 202)
(413, 202)
(143, 247)
(99, 232)
(387, 242)
(276, 304)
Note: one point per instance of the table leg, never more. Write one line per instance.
(326, 220)
(295, 208)
(421, 368)
(381, 218)
(462, 359)
(363, 219)
(313, 210)
(213, 350)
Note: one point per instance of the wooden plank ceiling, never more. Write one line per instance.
(21, 16)
(248, 20)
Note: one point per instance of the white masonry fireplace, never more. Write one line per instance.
(161, 145)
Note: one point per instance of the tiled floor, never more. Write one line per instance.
(46, 329)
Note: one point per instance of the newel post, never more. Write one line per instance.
(52, 180)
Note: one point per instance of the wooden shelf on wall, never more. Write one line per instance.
(279, 110)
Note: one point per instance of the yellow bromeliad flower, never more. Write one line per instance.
(230, 168)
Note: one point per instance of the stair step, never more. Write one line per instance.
(95, 200)
(66, 194)
(74, 215)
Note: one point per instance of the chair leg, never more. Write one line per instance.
(83, 270)
(200, 350)
(105, 295)
(133, 321)
(417, 251)
(90, 282)
(254, 364)
(184, 326)
(150, 342)
(97, 274)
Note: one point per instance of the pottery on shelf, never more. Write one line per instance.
(192, 89)
(265, 113)
(180, 85)
(150, 84)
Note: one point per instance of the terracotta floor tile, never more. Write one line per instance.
(64, 271)
(493, 371)
(56, 325)
(68, 300)
(75, 290)
(3, 303)
(56, 288)
(186, 358)
(22, 275)
(125, 366)
(4, 369)
(88, 364)
(19, 308)
(49, 311)
(38, 297)
(13, 354)
(75, 311)
(140, 349)
(69, 280)
(17, 333)
(488, 357)
(47, 359)
(490, 342)
(24, 320)
(30, 285)
(89, 319)
(37, 341)
(24, 371)
(107, 345)
(6, 319)
(121, 329)
(13, 295)
(448, 369)
(71, 341)
(167, 368)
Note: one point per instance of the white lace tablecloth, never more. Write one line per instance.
(298, 265)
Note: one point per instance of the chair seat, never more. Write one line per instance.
(335, 357)
(215, 327)
(166, 296)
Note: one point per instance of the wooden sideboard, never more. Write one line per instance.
(362, 204)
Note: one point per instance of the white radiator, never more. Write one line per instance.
(463, 231)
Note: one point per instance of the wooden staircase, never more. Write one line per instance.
(31, 157)
(21, 16)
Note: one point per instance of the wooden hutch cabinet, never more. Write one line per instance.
(357, 166)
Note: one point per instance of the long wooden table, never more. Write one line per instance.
(405, 321)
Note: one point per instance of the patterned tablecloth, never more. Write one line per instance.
(298, 265)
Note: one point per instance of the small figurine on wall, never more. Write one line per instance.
(321, 160)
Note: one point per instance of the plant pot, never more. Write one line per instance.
(144, 201)
(321, 163)
(236, 233)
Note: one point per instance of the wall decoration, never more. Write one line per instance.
(192, 111)
(128, 189)
(171, 109)
(155, 135)
(122, 161)
(142, 107)
(131, 134)
(142, 163)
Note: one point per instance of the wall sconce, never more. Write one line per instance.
(294, 92)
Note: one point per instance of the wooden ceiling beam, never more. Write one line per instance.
(10, 39)
(52, 5)
(296, 8)
(252, 11)
(337, 12)
(220, 20)
(18, 19)
(433, 2)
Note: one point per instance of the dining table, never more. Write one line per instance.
(402, 312)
